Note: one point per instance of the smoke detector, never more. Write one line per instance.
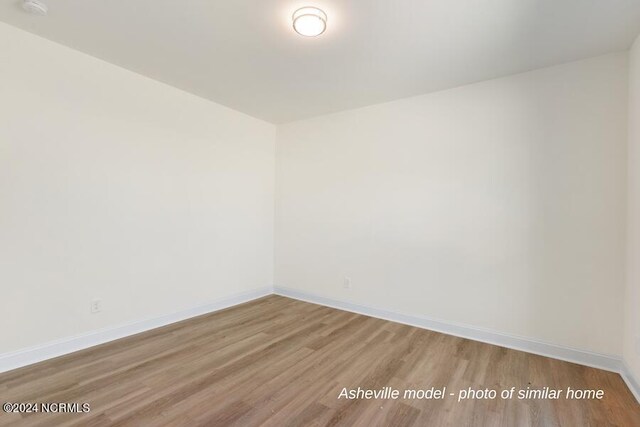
(35, 7)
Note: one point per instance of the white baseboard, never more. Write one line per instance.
(28, 356)
(582, 357)
(631, 380)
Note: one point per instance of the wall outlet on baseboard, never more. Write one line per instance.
(347, 283)
(96, 306)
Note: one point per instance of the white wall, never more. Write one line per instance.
(632, 300)
(499, 205)
(118, 187)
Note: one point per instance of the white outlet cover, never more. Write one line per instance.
(96, 306)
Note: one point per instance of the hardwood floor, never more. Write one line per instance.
(281, 362)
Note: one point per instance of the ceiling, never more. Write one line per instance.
(244, 54)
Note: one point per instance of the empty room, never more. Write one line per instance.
(320, 213)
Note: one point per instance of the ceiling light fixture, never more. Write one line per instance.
(309, 21)
(35, 7)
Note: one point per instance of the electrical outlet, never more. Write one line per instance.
(96, 306)
(347, 283)
(638, 346)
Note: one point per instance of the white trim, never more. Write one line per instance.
(632, 382)
(582, 357)
(39, 353)
(28, 356)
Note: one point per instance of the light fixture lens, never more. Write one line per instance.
(35, 7)
(309, 21)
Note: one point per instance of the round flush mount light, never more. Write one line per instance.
(35, 7)
(309, 21)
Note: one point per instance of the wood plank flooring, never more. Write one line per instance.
(281, 362)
